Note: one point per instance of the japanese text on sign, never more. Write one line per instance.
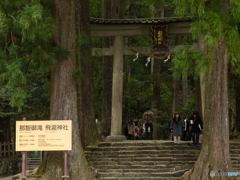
(160, 37)
(43, 135)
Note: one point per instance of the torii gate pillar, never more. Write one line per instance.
(117, 91)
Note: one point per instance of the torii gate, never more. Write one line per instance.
(120, 28)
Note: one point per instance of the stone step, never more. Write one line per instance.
(147, 160)
(142, 174)
(139, 178)
(143, 170)
(141, 152)
(139, 159)
(146, 148)
(167, 158)
(152, 143)
(143, 155)
(137, 166)
(138, 162)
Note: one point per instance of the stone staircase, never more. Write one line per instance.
(147, 160)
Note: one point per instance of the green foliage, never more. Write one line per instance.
(214, 19)
(185, 61)
(77, 74)
(83, 46)
(25, 45)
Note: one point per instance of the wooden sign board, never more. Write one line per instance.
(44, 135)
(159, 37)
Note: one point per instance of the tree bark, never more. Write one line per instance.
(85, 89)
(175, 84)
(175, 91)
(121, 9)
(157, 93)
(108, 12)
(198, 101)
(214, 155)
(64, 97)
(184, 89)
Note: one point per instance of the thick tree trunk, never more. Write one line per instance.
(214, 155)
(157, 99)
(198, 101)
(184, 89)
(64, 97)
(86, 94)
(108, 12)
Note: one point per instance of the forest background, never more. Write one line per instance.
(27, 53)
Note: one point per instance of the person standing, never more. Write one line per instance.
(138, 131)
(131, 129)
(126, 131)
(169, 126)
(148, 117)
(176, 128)
(186, 128)
(196, 127)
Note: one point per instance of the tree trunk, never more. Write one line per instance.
(175, 83)
(108, 12)
(157, 98)
(198, 101)
(64, 97)
(175, 91)
(214, 155)
(185, 89)
(86, 94)
(126, 90)
(121, 9)
(157, 94)
(237, 89)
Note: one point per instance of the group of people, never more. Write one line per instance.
(132, 131)
(191, 127)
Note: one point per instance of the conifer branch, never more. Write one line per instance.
(225, 5)
(3, 27)
(12, 38)
(4, 9)
(7, 42)
(12, 17)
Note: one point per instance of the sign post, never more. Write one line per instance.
(44, 136)
(65, 176)
(23, 162)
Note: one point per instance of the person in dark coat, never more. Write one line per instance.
(196, 127)
(176, 128)
(186, 128)
(169, 125)
(126, 131)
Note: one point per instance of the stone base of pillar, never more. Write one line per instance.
(116, 138)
